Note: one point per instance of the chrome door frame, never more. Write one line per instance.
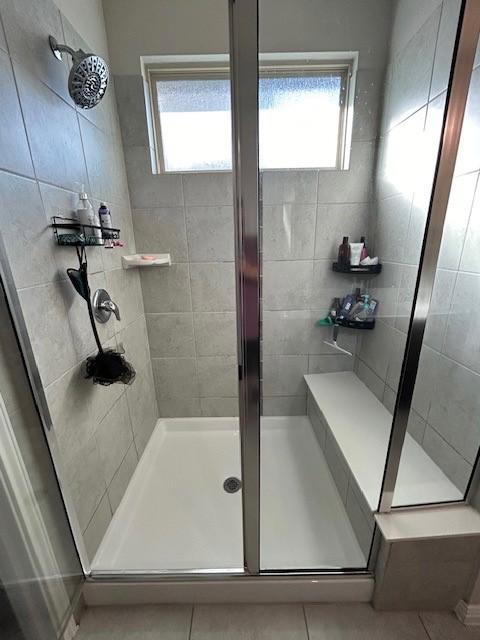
(457, 94)
(243, 17)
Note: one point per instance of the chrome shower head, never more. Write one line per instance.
(88, 77)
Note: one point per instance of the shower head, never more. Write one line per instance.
(88, 77)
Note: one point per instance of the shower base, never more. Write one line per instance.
(176, 516)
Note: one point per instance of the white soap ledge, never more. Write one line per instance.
(136, 260)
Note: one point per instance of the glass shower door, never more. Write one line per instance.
(351, 96)
(40, 572)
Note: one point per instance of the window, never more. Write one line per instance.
(302, 117)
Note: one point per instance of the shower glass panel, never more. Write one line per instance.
(443, 420)
(180, 512)
(357, 137)
(40, 572)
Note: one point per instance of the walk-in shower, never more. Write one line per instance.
(304, 337)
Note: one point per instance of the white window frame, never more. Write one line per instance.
(156, 68)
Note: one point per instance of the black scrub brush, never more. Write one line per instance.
(107, 366)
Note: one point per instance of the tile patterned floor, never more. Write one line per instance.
(268, 622)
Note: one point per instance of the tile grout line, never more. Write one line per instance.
(191, 623)
(427, 635)
(306, 622)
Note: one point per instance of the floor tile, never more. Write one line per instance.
(149, 622)
(248, 622)
(444, 625)
(361, 622)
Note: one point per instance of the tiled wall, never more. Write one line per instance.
(446, 401)
(47, 148)
(190, 307)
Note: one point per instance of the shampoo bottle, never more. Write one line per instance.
(344, 252)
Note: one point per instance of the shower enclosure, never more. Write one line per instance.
(263, 433)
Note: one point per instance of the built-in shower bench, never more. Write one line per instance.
(353, 429)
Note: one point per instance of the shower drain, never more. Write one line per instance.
(232, 484)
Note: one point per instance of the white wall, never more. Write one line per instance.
(149, 27)
(87, 18)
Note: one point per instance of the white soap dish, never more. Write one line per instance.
(146, 260)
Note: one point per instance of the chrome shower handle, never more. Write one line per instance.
(104, 306)
(112, 307)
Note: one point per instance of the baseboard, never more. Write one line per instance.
(468, 614)
(243, 590)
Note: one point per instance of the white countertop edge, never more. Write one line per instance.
(430, 522)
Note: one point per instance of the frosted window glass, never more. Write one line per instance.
(195, 124)
(299, 122)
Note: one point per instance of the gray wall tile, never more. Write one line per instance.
(286, 332)
(461, 337)
(175, 407)
(53, 133)
(51, 338)
(134, 341)
(470, 260)
(411, 71)
(452, 464)
(353, 184)
(148, 190)
(208, 189)
(175, 378)
(335, 221)
(283, 375)
(97, 526)
(161, 231)
(330, 363)
(369, 378)
(166, 290)
(279, 187)
(86, 481)
(337, 466)
(210, 233)
(27, 25)
(170, 335)
(284, 406)
(288, 231)
(220, 407)
(142, 406)
(467, 156)
(15, 154)
(217, 376)
(455, 405)
(25, 231)
(122, 477)
(213, 286)
(445, 44)
(287, 285)
(132, 110)
(456, 222)
(114, 436)
(215, 333)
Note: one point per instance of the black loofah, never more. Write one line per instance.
(109, 367)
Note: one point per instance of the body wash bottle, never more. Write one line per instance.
(86, 216)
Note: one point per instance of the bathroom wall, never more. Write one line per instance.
(190, 307)
(446, 405)
(47, 149)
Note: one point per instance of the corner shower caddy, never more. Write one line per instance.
(69, 232)
(372, 269)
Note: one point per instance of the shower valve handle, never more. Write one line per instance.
(104, 306)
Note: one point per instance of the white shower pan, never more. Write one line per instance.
(176, 516)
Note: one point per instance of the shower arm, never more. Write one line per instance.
(57, 49)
